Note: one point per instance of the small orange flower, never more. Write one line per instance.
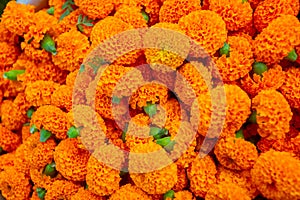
(61, 189)
(9, 141)
(129, 192)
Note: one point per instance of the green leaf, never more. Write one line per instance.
(225, 49)
(252, 118)
(13, 74)
(79, 19)
(170, 194)
(145, 16)
(50, 170)
(259, 68)
(41, 193)
(163, 141)
(44, 135)
(80, 28)
(65, 5)
(150, 109)
(30, 112)
(158, 133)
(116, 100)
(48, 44)
(51, 10)
(66, 13)
(240, 134)
(292, 56)
(73, 132)
(26, 124)
(33, 129)
(88, 24)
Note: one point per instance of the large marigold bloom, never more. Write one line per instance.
(226, 191)
(240, 59)
(99, 166)
(95, 9)
(39, 93)
(235, 13)
(131, 15)
(62, 97)
(202, 175)
(239, 178)
(61, 189)
(11, 115)
(17, 18)
(273, 114)
(236, 153)
(289, 87)
(276, 175)
(14, 185)
(52, 119)
(267, 47)
(7, 36)
(8, 54)
(70, 55)
(172, 10)
(7, 160)
(207, 28)
(273, 78)
(269, 10)
(9, 141)
(83, 193)
(70, 160)
(129, 192)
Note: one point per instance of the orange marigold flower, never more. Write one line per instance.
(256, 83)
(236, 14)
(7, 160)
(21, 102)
(62, 97)
(273, 114)
(182, 180)
(14, 185)
(39, 93)
(95, 9)
(42, 154)
(99, 166)
(129, 192)
(52, 119)
(268, 10)
(70, 160)
(9, 141)
(289, 87)
(25, 133)
(70, 54)
(152, 92)
(8, 54)
(57, 4)
(61, 189)
(239, 178)
(71, 78)
(17, 18)
(202, 175)
(184, 195)
(12, 118)
(236, 153)
(226, 191)
(159, 173)
(267, 49)
(207, 28)
(131, 15)
(82, 193)
(7, 36)
(172, 10)
(276, 175)
(240, 59)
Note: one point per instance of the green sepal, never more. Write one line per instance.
(50, 170)
(259, 68)
(13, 74)
(150, 109)
(252, 118)
(145, 16)
(51, 10)
(292, 56)
(44, 135)
(73, 132)
(48, 44)
(169, 195)
(240, 134)
(225, 49)
(30, 112)
(41, 192)
(33, 129)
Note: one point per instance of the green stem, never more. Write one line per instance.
(13, 74)
(259, 68)
(225, 49)
(50, 170)
(292, 56)
(41, 193)
(48, 44)
(44, 135)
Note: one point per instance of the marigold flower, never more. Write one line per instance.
(9, 141)
(57, 4)
(236, 153)
(21, 102)
(70, 160)
(157, 173)
(62, 97)
(8, 54)
(182, 180)
(7, 36)
(256, 83)
(266, 47)
(202, 175)
(70, 55)
(226, 191)
(207, 28)
(235, 13)
(289, 89)
(184, 195)
(239, 178)
(131, 15)
(275, 174)
(7, 160)
(240, 59)
(82, 193)
(52, 119)
(172, 10)
(14, 185)
(273, 114)
(95, 9)
(61, 189)
(18, 17)
(129, 192)
(25, 133)
(71, 78)
(97, 168)
(267, 11)
(12, 118)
